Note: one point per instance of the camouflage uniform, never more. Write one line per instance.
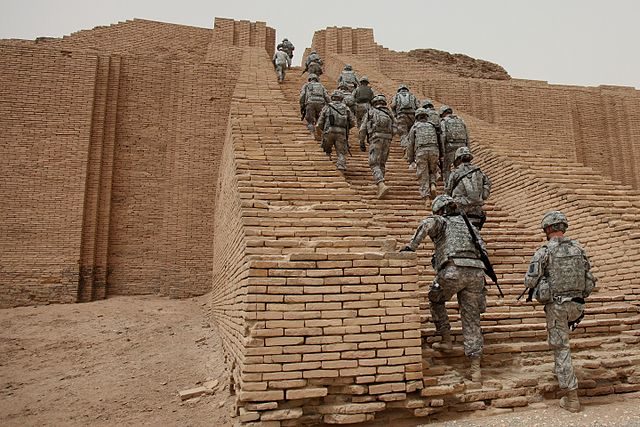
(335, 121)
(313, 97)
(348, 77)
(379, 125)
(453, 135)
(434, 117)
(469, 187)
(362, 96)
(404, 106)
(423, 149)
(347, 98)
(313, 63)
(281, 62)
(459, 270)
(288, 47)
(559, 276)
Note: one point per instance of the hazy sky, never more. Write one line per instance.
(581, 42)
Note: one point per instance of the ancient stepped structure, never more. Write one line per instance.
(179, 166)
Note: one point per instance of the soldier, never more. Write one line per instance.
(281, 62)
(313, 63)
(335, 121)
(453, 135)
(348, 98)
(434, 117)
(313, 96)
(363, 96)
(378, 127)
(469, 187)
(424, 151)
(288, 47)
(348, 76)
(459, 270)
(559, 277)
(404, 107)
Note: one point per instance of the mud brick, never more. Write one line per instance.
(320, 356)
(284, 341)
(300, 366)
(301, 349)
(246, 416)
(346, 419)
(306, 393)
(261, 406)
(281, 414)
(352, 408)
(192, 392)
(260, 396)
(509, 402)
(287, 384)
(424, 412)
(255, 386)
(275, 376)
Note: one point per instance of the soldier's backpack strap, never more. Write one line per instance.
(461, 177)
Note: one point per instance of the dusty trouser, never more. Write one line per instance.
(280, 71)
(449, 157)
(378, 154)
(339, 141)
(315, 68)
(558, 317)
(361, 110)
(312, 112)
(426, 168)
(468, 284)
(404, 122)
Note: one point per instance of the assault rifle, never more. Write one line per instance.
(306, 68)
(484, 257)
(303, 112)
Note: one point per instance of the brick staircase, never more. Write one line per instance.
(517, 357)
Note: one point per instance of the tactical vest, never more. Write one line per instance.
(363, 94)
(434, 118)
(348, 99)
(566, 268)
(456, 130)
(339, 118)
(349, 77)
(454, 242)
(381, 122)
(467, 181)
(404, 102)
(425, 135)
(315, 92)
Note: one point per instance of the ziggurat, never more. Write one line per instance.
(153, 158)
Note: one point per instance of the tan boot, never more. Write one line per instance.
(445, 345)
(570, 402)
(474, 370)
(432, 189)
(382, 190)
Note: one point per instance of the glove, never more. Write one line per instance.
(363, 147)
(407, 249)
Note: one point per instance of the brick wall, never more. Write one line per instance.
(145, 132)
(46, 100)
(139, 37)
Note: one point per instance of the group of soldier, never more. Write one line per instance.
(436, 143)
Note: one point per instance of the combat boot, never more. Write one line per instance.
(444, 345)
(432, 189)
(382, 190)
(474, 370)
(570, 402)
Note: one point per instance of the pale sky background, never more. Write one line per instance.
(580, 42)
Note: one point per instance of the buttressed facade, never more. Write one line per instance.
(153, 158)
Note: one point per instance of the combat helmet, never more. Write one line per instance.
(421, 112)
(402, 87)
(441, 202)
(554, 217)
(444, 109)
(312, 76)
(427, 103)
(348, 67)
(379, 99)
(364, 79)
(461, 153)
(337, 95)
